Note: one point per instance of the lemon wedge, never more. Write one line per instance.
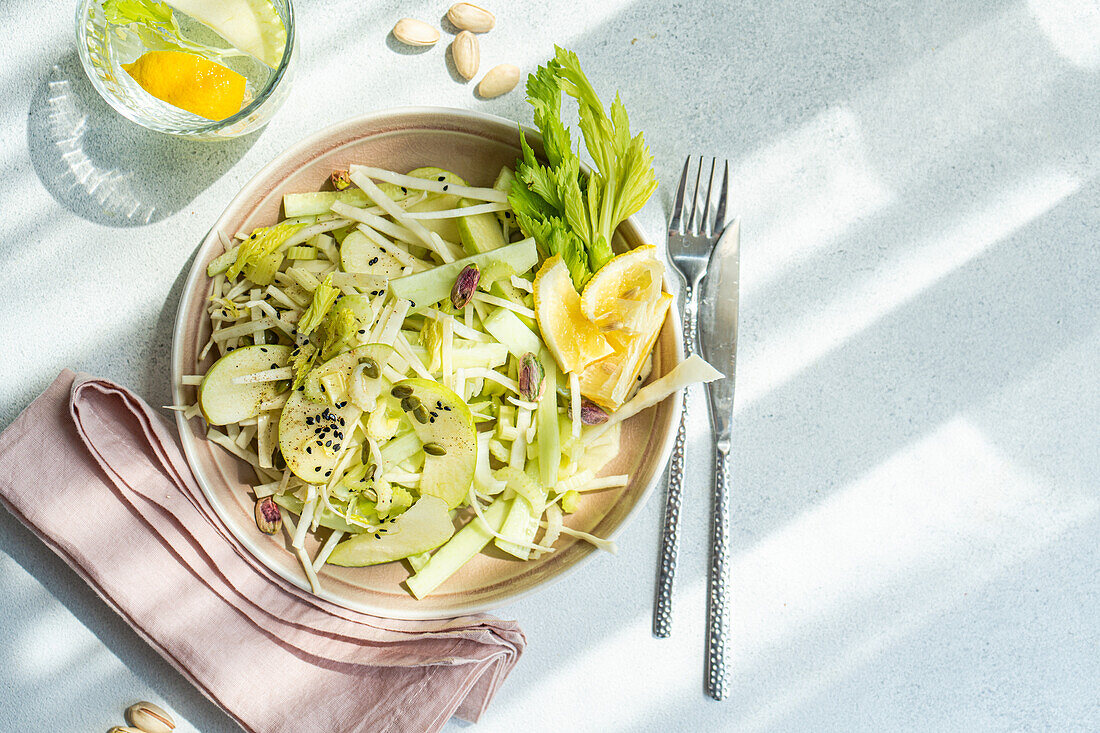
(574, 340)
(620, 296)
(252, 26)
(609, 381)
(190, 82)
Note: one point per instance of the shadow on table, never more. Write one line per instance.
(156, 378)
(106, 169)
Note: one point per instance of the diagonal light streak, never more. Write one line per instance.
(828, 327)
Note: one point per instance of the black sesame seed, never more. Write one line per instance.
(372, 261)
(309, 449)
(328, 443)
(444, 187)
(377, 536)
(442, 178)
(309, 421)
(263, 349)
(404, 190)
(362, 331)
(274, 366)
(328, 473)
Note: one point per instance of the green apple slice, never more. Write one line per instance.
(359, 254)
(330, 382)
(422, 527)
(451, 427)
(222, 402)
(252, 26)
(311, 435)
(428, 287)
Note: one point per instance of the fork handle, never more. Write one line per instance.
(717, 678)
(670, 535)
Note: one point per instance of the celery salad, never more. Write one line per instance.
(416, 367)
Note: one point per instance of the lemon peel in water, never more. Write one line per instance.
(190, 82)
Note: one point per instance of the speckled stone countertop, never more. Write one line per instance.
(916, 459)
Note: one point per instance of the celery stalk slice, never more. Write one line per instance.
(429, 287)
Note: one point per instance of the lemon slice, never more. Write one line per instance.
(190, 82)
(620, 296)
(252, 26)
(610, 380)
(574, 341)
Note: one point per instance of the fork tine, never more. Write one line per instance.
(706, 227)
(723, 199)
(675, 222)
(693, 220)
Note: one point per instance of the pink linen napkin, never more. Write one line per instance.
(98, 475)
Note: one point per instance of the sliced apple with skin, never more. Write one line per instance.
(339, 369)
(253, 26)
(222, 402)
(311, 435)
(451, 427)
(424, 526)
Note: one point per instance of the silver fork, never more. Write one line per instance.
(690, 244)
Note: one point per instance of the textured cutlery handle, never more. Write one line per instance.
(670, 534)
(718, 582)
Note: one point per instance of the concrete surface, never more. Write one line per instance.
(917, 456)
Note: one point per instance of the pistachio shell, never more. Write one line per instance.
(268, 518)
(468, 17)
(415, 32)
(466, 53)
(340, 180)
(150, 718)
(498, 80)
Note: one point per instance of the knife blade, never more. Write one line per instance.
(718, 344)
(718, 326)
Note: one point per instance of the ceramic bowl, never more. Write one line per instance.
(475, 146)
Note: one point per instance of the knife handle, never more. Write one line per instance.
(717, 677)
(670, 534)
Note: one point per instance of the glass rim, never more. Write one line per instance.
(210, 126)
